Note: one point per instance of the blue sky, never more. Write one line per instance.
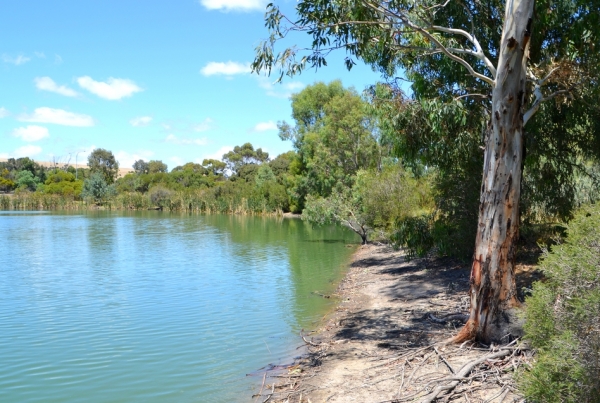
(151, 80)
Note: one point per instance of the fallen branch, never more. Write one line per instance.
(308, 341)
(444, 360)
(271, 395)
(261, 387)
(464, 371)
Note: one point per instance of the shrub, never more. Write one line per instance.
(563, 318)
(160, 196)
(414, 233)
(96, 189)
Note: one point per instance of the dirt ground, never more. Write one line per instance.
(384, 342)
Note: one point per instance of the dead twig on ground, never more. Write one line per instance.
(444, 360)
(308, 341)
(464, 371)
(261, 387)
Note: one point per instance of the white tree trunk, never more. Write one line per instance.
(493, 289)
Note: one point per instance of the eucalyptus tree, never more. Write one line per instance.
(243, 156)
(104, 162)
(334, 137)
(140, 167)
(156, 166)
(502, 55)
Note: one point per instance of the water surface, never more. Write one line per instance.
(156, 307)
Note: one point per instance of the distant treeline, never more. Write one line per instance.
(246, 181)
(384, 165)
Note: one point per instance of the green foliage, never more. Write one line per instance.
(392, 194)
(104, 162)
(456, 194)
(140, 167)
(442, 124)
(334, 138)
(563, 317)
(155, 166)
(281, 165)
(414, 233)
(242, 156)
(96, 189)
(343, 206)
(26, 180)
(13, 166)
(62, 183)
(6, 184)
(160, 196)
(39, 201)
(264, 175)
(418, 132)
(216, 167)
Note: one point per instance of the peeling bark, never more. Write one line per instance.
(493, 290)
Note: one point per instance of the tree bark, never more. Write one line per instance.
(493, 291)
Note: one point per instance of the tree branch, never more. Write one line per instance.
(478, 54)
(539, 96)
(404, 18)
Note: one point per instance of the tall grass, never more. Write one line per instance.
(39, 201)
(211, 200)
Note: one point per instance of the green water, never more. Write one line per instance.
(156, 307)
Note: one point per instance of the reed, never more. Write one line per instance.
(222, 200)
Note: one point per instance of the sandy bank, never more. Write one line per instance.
(382, 343)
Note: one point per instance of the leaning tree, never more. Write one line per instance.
(511, 56)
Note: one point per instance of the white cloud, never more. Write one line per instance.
(31, 133)
(48, 84)
(113, 89)
(40, 55)
(280, 90)
(203, 126)
(126, 159)
(171, 138)
(264, 126)
(4, 112)
(25, 151)
(217, 155)
(140, 121)
(227, 69)
(57, 116)
(57, 59)
(234, 5)
(17, 61)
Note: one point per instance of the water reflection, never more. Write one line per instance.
(155, 307)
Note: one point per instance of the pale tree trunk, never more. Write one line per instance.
(493, 290)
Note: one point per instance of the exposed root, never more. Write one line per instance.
(467, 333)
(397, 349)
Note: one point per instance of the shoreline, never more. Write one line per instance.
(382, 342)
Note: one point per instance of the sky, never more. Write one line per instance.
(151, 80)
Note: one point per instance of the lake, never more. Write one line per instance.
(156, 307)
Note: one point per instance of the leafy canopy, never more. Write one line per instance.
(104, 162)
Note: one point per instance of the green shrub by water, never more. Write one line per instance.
(563, 318)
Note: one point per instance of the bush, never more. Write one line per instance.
(414, 233)
(563, 318)
(96, 189)
(160, 196)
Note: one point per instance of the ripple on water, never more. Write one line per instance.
(154, 307)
